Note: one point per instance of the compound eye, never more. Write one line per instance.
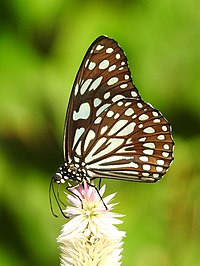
(57, 177)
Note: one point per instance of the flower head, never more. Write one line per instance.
(90, 237)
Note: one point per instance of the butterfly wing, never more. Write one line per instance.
(109, 129)
(103, 78)
(130, 140)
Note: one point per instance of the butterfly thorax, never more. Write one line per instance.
(70, 172)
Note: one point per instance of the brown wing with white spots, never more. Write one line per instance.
(130, 140)
(103, 78)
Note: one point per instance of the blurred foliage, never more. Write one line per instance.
(41, 46)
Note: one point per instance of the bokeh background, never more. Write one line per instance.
(42, 44)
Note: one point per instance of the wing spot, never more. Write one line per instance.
(117, 126)
(83, 112)
(86, 62)
(166, 146)
(95, 84)
(112, 81)
(109, 50)
(120, 103)
(102, 108)
(110, 113)
(144, 158)
(142, 139)
(103, 129)
(140, 126)
(164, 128)
(90, 136)
(129, 112)
(160, 162)
(145, 174)
(156, 120)
(117, 56)
(98, 120)
(106, 95)
(156, 175)
(104, 64)
(116, 116)
(123, 63)
(155, 113)
(126, 77)
(148, 152)
(97, 102)
(127, 130)
(111, 68)
(99, 47)
(135, 165)
(117, 97)
(134, 94)
(146, 167)
(165, 154)
(139, 105)
(76, 89)
(159, 168)
(161, 137)
(150, 145)
(91, 65)
(85, 86)
(121, 68)
(123, 86)
(149, 130)
(143, 117)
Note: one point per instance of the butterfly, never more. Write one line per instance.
(109, 131)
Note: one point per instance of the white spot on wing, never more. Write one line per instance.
(127, 130)
(143, 117)
(90, 136)
(134, 94)
(111, 144)
(104, 64)
(149, 130)
(91, 65)
(129, 111)
(99, 47)
(85, 86)
(97, 102)
(111, 68)
(103, 129)
(117, 97)
(98, 120)
(117, 56)
(95, 84)
(102, 108)
(106, 95)
(123, 86)
(76, 89)
(79, 132)
(117, 126)
(83, 112)
(150, 145)
(109, 50)
(112, 81)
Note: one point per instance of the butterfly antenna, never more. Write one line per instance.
(58, 202)
(50, 199)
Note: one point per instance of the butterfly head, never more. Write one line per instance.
(69, 172)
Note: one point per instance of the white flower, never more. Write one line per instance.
(90, 238)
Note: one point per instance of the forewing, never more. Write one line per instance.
(103, 78)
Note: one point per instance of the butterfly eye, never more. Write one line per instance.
(110, 132)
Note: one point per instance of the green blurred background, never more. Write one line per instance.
(42, 44)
